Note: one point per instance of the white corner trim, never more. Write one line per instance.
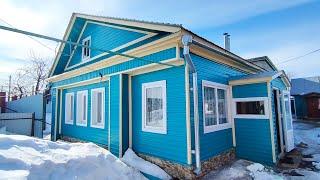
(271, 123)
(109, 115)
(145, 128)
(102, 125)
(251, 116)
(217, 127)
(130, 110)
(66, 119)
(81, 122)
(120, 114)
(232, 119)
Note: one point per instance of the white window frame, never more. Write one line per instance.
(159, 130)
(217, 127)
(251, 116)
(102, 124)
(66, 106)
(85, 58)
(84, 120)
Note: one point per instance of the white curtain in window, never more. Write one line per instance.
(210, 106)
(222, 106)
(154, 107)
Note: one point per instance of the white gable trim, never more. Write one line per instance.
(148, 35)
(150, 48)
(146, 25)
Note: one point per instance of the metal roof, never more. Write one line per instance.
(254, 76)
(302, 86)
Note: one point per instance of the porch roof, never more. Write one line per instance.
(259, 77)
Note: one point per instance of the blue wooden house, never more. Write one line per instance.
(167, 93)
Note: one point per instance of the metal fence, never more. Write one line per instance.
(21, 123)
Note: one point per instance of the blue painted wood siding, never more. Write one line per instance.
(134, 63)
(88, 133)
(104, 37)
(279, 84)
(250, 90)
(53, 92)
(173, 145)
(254, 140)
(253, 136)
(214, 143)
(115, 114)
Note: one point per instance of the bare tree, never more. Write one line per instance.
(37, 71)
(19, 84)
(31, 78)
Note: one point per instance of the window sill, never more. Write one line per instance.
(81, 124)
(68, 122)
(214, 128)
(97, 126)
(155, 130)
(251, 116)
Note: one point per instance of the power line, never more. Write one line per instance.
(77, 44)
(44, 45)
(296, 58)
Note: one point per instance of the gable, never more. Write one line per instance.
(104, 36)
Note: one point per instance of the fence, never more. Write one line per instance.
(21, 123)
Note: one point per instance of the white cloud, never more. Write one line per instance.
(51, 18)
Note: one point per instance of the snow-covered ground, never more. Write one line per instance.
(47, 131)
(307, 133)
(23, 157)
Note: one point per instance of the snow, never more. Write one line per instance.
(47, 131)
(308, 133)
(23, 157)
(131, 159)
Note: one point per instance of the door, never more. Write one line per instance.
(287, 121)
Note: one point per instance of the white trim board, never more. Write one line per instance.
(252, 116)
(155, 84)
(217, 127)
(147, 35)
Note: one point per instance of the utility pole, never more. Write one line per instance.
(9, 93)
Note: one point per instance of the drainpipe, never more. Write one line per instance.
(186, 41)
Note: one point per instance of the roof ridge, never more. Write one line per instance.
(130, 19)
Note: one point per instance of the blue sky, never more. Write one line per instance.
(278, 29)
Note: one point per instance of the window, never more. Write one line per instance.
(97, 107)
(253, 107)
(250, 107)
(82, 108)
(69, 108)
(154, 107)
(86, 50)
(215, 106)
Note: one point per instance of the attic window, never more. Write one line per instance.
(86, 50)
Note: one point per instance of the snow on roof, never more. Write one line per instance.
(302, 86)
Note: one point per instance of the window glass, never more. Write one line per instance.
(222, 106)
(251, 107)
(288, 114)
(154, 107)
(86, 50)
(69, 108)
(210, 106)
(97, 108)
(82, 107)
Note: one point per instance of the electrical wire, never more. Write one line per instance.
(298, 57)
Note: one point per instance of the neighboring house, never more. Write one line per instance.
(185, 100)
(305, 94)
